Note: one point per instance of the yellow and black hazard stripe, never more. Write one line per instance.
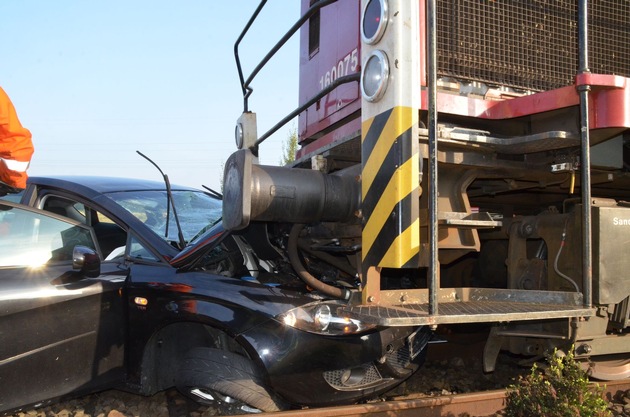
(390, 189)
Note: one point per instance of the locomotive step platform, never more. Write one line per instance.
(469, 305)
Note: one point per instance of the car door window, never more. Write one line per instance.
(62, 329)
(139, 252)
(28, 238)
(111, 238)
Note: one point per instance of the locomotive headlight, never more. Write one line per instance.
(375, 76)
(238, 135)
(374, 21)
(245, 132)
(323, 318)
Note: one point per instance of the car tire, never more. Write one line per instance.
(225, 380)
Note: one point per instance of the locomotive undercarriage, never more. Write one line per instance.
(504, 123)
(539, 248)
(543, 253)
(510, 248)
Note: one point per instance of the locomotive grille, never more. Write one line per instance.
(531, 45)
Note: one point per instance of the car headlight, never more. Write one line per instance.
(323, 318)
(375, 76)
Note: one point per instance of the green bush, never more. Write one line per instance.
(562, 390)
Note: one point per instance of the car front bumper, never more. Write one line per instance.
(307, 369)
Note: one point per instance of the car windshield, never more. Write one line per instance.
(196, 211)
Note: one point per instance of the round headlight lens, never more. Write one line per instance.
(375, 76)
(323, 316)
(238, 135)
(374, 21)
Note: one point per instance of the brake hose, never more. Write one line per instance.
(555, 263)
(306, 276)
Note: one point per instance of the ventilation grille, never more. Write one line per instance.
(531, 45)
(371, 377)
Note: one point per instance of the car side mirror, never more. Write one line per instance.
(87, 261)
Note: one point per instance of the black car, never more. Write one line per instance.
(130, 284)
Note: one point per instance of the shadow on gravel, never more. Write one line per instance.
(115, 403)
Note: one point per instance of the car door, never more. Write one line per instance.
(61, 327)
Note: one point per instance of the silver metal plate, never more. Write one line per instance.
(473, 306)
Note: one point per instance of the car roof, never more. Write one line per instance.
(100, 185)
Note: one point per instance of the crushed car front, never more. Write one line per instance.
(311, 353)
(318, 361)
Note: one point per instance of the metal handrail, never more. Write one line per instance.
(245, 83)
(339, 81)
(434, 266)
(587, 256)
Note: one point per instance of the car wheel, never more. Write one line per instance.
(225, 380)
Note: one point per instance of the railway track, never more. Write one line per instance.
(488, 403)
(451, 383)
(171, 404)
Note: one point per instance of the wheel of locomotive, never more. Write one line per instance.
(225, 380)
(608, 368)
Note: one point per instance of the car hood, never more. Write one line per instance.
(202, 245)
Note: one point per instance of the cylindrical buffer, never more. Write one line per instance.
(278, 194)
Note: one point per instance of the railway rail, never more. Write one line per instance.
(479, 404)
(451, 383)
(172, 404)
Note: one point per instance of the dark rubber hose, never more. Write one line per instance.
(306, 276)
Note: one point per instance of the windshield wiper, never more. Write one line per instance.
(213, 192)
(169, 201)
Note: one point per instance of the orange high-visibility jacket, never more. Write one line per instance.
(16, 147)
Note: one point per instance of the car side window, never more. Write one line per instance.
(111, 238)
(31, 239)
(138, 251)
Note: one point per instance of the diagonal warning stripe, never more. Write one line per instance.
(390, 189)
(382, 132)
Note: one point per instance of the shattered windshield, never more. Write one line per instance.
(195, 209)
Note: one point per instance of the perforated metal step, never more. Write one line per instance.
(471, 305)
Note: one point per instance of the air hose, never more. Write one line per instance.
(306, 276)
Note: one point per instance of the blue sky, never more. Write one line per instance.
(95, 81)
